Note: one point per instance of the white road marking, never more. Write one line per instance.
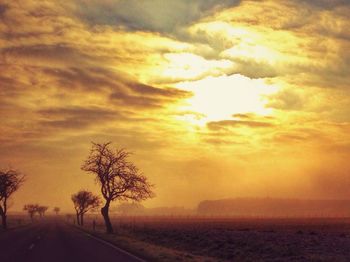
(31, 246)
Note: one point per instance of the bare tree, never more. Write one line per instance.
(31, 209)
(41, 210)
(56, 210)
(10, 181)
(84, 201)
(118, 178)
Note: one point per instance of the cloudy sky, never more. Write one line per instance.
(215, 99)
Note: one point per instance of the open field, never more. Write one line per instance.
(220, 239)
(14, 221)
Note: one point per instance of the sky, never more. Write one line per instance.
(215, 99)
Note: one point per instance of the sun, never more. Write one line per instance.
(219, 98)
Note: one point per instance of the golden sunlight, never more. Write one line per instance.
(218, 98)
(191, 66)
(164, 119)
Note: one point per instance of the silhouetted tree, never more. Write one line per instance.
(84, 201)
(31, 209)
(10, 181)
(41, 210)
(56, 210)
(118, 178)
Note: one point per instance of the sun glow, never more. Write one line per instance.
(189, 66)
(218, 98)
(239, 42)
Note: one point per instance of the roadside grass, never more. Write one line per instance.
(145, 250)
(186, 239)
(15, 221)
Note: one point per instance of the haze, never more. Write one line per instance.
(217, 99)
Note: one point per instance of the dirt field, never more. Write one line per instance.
(243, 239)
(14, 221)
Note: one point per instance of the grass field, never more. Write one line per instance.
(220, 239)
(14, 221)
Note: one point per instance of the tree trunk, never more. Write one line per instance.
(4, 221)
(3, 210)
(81, 219)
(105, 214)
(78, 219)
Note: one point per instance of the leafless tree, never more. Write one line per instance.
(41, 210)
(84, 201)
(56, 210)
(10, 181)
(31, 209)
(117, 176)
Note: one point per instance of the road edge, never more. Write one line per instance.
(108, 243)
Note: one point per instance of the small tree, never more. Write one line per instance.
(31, 209)
(118, 178)
(41, 210)
(10, 181)
(56, 210)
(84, 201)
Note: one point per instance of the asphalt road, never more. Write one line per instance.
(55, 241)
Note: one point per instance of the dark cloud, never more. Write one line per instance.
(251, 116)
(243, 116)
(324, 4)
(83, 78)
(134, 101)
(120, 89)
(147, 96)
(7, 83)
(290, 138)
(254, 69)
(217, 125)
(3, 9)
(301, 135)
(70, 68)
(97, 78)
(221, 137)
(76, 117)
(150, 90)
(41, 54)
(148, 15)
(287, 100)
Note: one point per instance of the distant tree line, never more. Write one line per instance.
(33, 209)
(274, 207)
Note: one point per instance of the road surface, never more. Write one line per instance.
(55, 241)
